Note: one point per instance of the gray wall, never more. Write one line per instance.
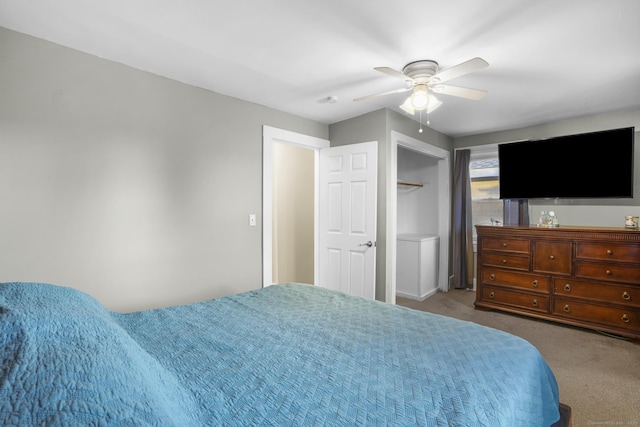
(605, 212)
(406, 126)
(131, 187)
(417, 208)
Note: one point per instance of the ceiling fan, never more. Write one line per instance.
(423, 79)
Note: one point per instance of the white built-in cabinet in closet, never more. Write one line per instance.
(418, 244)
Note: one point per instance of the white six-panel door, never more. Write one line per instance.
(347, 218)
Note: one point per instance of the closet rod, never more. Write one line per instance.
(410, 184)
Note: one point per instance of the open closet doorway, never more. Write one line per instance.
(420, 222)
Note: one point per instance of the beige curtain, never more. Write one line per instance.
(462, 223)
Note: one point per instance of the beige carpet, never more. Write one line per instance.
(598, 376)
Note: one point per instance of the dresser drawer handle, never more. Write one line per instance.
(504, 261)
(492, 277)
(567, 308)
(625, 318)
(504, 245)
(609, 252)
(567, 287)
(535, 303)
(492, 295)
(626, 296)
(608, 272)
(535, 283)
(552, 257)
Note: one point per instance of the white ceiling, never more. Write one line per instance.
(549, 59)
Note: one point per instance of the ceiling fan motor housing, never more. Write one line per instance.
(421, 71)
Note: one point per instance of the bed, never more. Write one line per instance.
(285, 355)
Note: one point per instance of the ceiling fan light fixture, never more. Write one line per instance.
(420, 98)
(433, 103)
(407, 107)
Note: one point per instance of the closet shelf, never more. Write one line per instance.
(410, 184)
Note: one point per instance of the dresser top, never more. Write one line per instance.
(563, 232)
(561, 228)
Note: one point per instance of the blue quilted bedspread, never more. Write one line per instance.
(286, 355)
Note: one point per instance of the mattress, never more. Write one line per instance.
(284, 355)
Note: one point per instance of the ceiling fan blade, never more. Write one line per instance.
(366, 98)
(462, 92)
(466, 67)
(393, 73)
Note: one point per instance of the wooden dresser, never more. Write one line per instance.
(581, 276)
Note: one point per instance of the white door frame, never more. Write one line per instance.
(269, 136)
(444, 208)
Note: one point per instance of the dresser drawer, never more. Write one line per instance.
(512, 279)
(621, 318)
(508, 245)
(603, 292)
(552, 257)
(532, 302)
(604, 271)
(608, 252)
(506, 261)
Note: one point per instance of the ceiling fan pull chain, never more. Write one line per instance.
(420, 130)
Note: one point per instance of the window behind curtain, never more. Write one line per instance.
(485, 187)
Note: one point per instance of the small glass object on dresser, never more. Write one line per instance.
(631, 221)
(548, 219)
(543, 219)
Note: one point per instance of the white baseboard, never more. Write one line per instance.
(418, 297)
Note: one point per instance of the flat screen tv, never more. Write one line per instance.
(583, 166)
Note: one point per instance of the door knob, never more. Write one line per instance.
(368, 244)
